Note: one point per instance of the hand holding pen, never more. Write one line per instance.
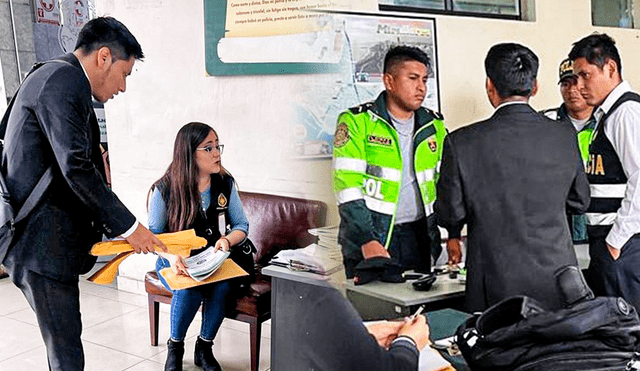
(417, 329)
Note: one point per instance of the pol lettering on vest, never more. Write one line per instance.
(372, 188)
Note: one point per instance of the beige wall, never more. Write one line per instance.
(251, 113)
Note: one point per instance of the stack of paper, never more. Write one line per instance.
(205, 263)
(312, 259)
(328, 240)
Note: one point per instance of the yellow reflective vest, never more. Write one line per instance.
(367, 171)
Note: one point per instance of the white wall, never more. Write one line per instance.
(251, 113)
(3, 94)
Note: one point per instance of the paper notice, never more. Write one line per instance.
(251, 18)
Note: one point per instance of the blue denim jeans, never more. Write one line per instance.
(185, 304)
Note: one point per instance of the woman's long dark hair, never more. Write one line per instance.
(181, 178)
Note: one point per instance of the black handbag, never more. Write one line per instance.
(242, 254)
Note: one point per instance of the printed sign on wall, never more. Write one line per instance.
(47, 11)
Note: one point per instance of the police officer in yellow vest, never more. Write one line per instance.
(575, 110)
(385, 167)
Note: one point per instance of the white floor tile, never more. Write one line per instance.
(32, 360)
(27, 316)
(96, 310)
(17, 338)
(12, 298)
(101, 358)
(111, 293)
(147, 365)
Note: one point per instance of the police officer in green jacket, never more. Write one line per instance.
(385, 167)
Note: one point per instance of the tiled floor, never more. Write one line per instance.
(115, 334)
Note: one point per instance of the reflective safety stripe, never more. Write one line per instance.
(425, 176)
(386, 173)
(607, 190)
(348, 195)
(600, 218)
(353, 164)
(438, 166)
(380, 206)
(428, 209)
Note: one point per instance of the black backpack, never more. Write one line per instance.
(519, 334)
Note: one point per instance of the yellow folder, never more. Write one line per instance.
(178, 243)
(229, 269)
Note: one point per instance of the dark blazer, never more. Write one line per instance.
(52, 122)
(511, 179)
(325, 333)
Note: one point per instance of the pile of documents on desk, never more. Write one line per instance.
(203, 265)
(328, 240)
(313, 259)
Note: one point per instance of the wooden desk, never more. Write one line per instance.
(381, 300)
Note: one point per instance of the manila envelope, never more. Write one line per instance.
(228, 270)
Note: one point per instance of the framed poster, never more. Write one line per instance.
(363, 43)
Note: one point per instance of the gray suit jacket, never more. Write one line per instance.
(512, 179)
(52, 122)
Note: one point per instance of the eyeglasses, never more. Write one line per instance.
(209, 149)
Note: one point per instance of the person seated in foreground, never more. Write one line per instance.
(329, 335)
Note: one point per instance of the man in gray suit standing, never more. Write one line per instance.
(52, 128)
(511, 179)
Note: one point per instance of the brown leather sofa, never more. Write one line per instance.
(275, 223)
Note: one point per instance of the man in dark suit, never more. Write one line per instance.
(52, 124)
(327, 334)
(512, 178)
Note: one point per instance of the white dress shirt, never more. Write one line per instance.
(623, 131)
(133, 228)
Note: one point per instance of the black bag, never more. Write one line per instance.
(519, 334)
(242, 254)
(8, 217)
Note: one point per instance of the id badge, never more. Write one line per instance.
(222, 224)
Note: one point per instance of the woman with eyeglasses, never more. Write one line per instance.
(196, 192)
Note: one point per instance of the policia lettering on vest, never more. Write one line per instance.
(385, 167)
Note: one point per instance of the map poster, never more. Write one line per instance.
(364, 41)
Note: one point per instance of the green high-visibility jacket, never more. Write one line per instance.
(367, 171)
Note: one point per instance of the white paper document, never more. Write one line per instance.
(205, 263)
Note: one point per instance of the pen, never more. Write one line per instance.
(416, 313)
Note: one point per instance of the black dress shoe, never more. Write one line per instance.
(203, 356)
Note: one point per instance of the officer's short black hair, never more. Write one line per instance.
(402, 53)
(109, 32)
(597, 49)
(512, 68)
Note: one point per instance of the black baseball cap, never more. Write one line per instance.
(565, 70)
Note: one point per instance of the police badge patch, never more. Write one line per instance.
(433, 145)
(342, 135)
(222, 201)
